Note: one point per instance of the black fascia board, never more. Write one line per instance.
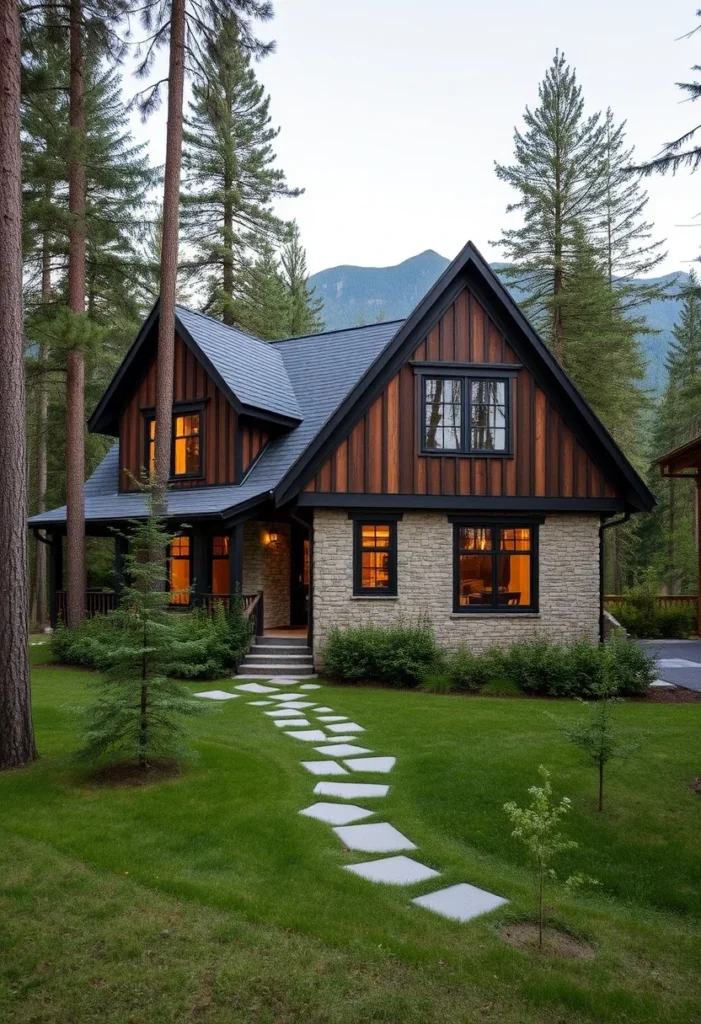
(456, 503)
(547, 371)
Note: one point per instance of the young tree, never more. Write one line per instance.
(305, 311)
(16, 732)
(230, 177)
(538, 828)
(138, 710)
(187, 27)
(265, 307)
(558, 175)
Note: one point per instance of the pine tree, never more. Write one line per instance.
(137, 710)
(558, 174)
(230, 177)
(304, 313)
(265, 304)
(623, 233)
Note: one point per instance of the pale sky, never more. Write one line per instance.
(392, 113)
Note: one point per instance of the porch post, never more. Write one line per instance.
(236, 559)
(55, 575)
(698, 549)
(200, 566)
(121, 547)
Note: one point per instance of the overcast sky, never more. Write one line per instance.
(392, 113)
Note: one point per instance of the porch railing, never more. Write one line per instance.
(97, 602)
(253, 607)
(663, 600)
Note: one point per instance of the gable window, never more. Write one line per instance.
(375, 558)
(495, 568)
(220, 565)
(186, 444)
(465, 415)
(179, 566)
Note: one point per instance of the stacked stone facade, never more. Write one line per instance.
(266, 567)
(568, 582)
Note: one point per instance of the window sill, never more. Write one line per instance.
(488, 616)
(374, 597)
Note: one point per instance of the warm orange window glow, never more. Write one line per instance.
(151, 447)
(374, 564)
(180, 570)
(220, 565)
(495, 567)
(186, 445)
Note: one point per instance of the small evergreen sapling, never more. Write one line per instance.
(538, 828)
(137, 710)
(596, 733)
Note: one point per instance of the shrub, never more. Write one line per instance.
(400, 654)
(535, 666)
(629, 670)
(469, 673)
(655, 621)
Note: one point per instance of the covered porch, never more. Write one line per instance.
(684, 463)
(266, 561)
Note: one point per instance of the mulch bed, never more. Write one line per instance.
(664, 696)
(130, 774)
(556, 943)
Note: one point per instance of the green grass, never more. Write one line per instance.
(209, 898)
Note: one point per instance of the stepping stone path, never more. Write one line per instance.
(460, 902)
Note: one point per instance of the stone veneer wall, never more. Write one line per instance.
(568, 582)
(266, 567)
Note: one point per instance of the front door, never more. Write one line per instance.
(299, 575)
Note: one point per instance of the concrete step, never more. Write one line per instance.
(282, 641)
(284, 650)
(270, 671)
(292, 659)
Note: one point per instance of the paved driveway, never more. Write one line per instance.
(678, 661)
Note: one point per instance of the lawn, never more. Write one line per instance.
(209, 898)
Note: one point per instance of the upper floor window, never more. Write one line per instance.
(465, 415)
(186, 455)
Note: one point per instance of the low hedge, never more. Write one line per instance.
(652, 623)
(223, 641)
(401, 655)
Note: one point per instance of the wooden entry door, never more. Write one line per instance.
(300, 566)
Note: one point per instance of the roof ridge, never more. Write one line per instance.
(336, 330)
(220, 323)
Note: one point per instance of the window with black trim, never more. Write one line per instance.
(495, 568)
(186, 444)
(220, 565)
(375, 558)
(465, 415)
(179, 570)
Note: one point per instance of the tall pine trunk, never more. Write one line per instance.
(228, 261)
(75, 377)
(169, 251)
(40, 610)
(16, 732)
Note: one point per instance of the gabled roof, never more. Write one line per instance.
(469, 267)
(250, 372)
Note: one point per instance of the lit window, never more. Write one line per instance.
(180, 570)
(375, 558)
(220, 565)
(151, 460)
(186, 445)
(495, 568)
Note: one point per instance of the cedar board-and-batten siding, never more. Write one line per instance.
(381, 456)
(220, 426)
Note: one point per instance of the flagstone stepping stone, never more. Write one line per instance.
(342, 749)
(333, 718)
(310, 686)
(218, 695)
(260, 703)
(460, 902)
(284, 697)
(283, 713)
(336, 814)
(319, 710)
(371, 764)
(341, 739)
(349, 790)
(660, 684)
(324, 767)
(311, 735)
(290, 722)
(285, 682)
(377, 838)
(393, 871)
(297, 704)
(347, 727)
(256, 688)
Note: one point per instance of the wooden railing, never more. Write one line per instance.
(663, 600)
(252, 606)
(97, 602)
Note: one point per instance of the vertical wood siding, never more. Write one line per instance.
(221, 429)
(380, 455)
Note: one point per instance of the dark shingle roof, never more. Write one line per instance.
(320, 371)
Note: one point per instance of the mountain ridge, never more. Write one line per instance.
(353, 295)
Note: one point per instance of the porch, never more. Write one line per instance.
(266, 562)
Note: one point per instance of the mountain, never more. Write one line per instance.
(363, 295)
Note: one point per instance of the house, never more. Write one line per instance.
(443, 466)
